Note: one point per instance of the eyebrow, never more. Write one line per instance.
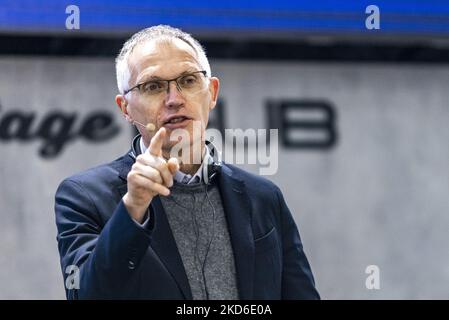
(153, 78)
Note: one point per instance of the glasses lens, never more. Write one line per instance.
(191, 83)
(153, 87)
(187, 84)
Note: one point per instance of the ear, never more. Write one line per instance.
(123, 104)
(214, 88)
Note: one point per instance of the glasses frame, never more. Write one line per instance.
(139, 85)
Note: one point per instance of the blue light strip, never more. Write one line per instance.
(325, 16)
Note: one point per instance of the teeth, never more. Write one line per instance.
(176, 120)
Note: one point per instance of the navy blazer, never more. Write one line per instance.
(119, 259)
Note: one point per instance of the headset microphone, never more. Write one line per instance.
(149, 126)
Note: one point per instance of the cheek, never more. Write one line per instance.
(204, 107)
(140, 110)
(203, 115)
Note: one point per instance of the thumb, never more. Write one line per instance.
(173, 165)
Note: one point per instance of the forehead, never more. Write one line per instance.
(163, 58)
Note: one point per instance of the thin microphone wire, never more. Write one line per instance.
(202, 262)
(196, 228)
(140, 124)
(150, 127)
(209, 244)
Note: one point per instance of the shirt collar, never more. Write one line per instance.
(180, 176)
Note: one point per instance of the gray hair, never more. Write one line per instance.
(154, 33)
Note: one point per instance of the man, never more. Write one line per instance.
(152, 226)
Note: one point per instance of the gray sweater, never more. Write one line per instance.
(199, 226)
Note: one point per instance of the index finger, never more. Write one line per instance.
(156, 142)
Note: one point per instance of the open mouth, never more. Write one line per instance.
(175, 122)
(176, 119)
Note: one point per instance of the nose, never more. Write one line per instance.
(174, 97)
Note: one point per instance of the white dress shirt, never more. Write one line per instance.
(180, 176)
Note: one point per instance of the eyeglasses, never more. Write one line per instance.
(188, 83)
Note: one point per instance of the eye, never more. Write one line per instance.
(152, 87)
(188, 81)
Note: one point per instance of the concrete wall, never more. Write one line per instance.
(379, 196)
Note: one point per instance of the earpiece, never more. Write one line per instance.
(212, 163)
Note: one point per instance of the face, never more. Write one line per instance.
(167, 60)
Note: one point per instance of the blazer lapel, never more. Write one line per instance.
(123, 169)
(164, 245)
(162, 240)
(237, 208)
